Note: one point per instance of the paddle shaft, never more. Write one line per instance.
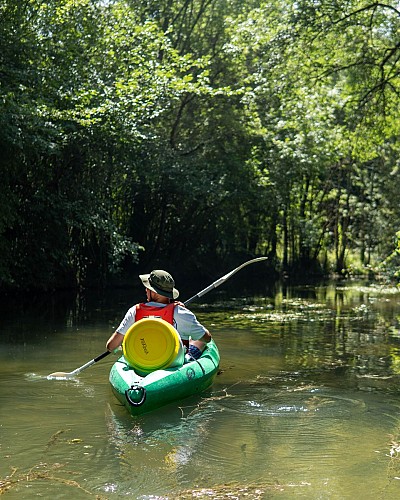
(198, 295)
(91, 362)
(64, 375)
(223, 279)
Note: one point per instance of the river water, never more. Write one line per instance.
(306, 405)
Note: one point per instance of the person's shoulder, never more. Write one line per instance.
(182, 309)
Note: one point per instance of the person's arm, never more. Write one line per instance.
(114, 341)
(202, 342)
(116, 338)
(189, 327)
(206, 337)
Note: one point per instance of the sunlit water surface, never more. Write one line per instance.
(307, 403)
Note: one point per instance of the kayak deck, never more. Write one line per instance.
(142, 394)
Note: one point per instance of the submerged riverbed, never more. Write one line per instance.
(306, 405)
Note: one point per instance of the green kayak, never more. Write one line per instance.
(144, 393)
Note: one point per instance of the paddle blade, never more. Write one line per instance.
(60, 376)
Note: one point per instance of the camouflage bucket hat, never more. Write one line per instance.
(160, 282)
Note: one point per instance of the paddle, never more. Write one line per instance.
(223, 279)
(218, 282)
(64, 375)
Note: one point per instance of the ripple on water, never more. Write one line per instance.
(291, 402)
(299, 427)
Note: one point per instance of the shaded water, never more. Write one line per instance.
(307, 403)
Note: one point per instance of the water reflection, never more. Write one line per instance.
(306, 405)
(353, 331)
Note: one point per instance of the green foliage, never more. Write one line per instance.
(391, 265)
(189, 132)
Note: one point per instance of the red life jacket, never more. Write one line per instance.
(166, 313)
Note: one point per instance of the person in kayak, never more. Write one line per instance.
(161, 297)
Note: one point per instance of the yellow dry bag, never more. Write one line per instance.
(152, 344)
